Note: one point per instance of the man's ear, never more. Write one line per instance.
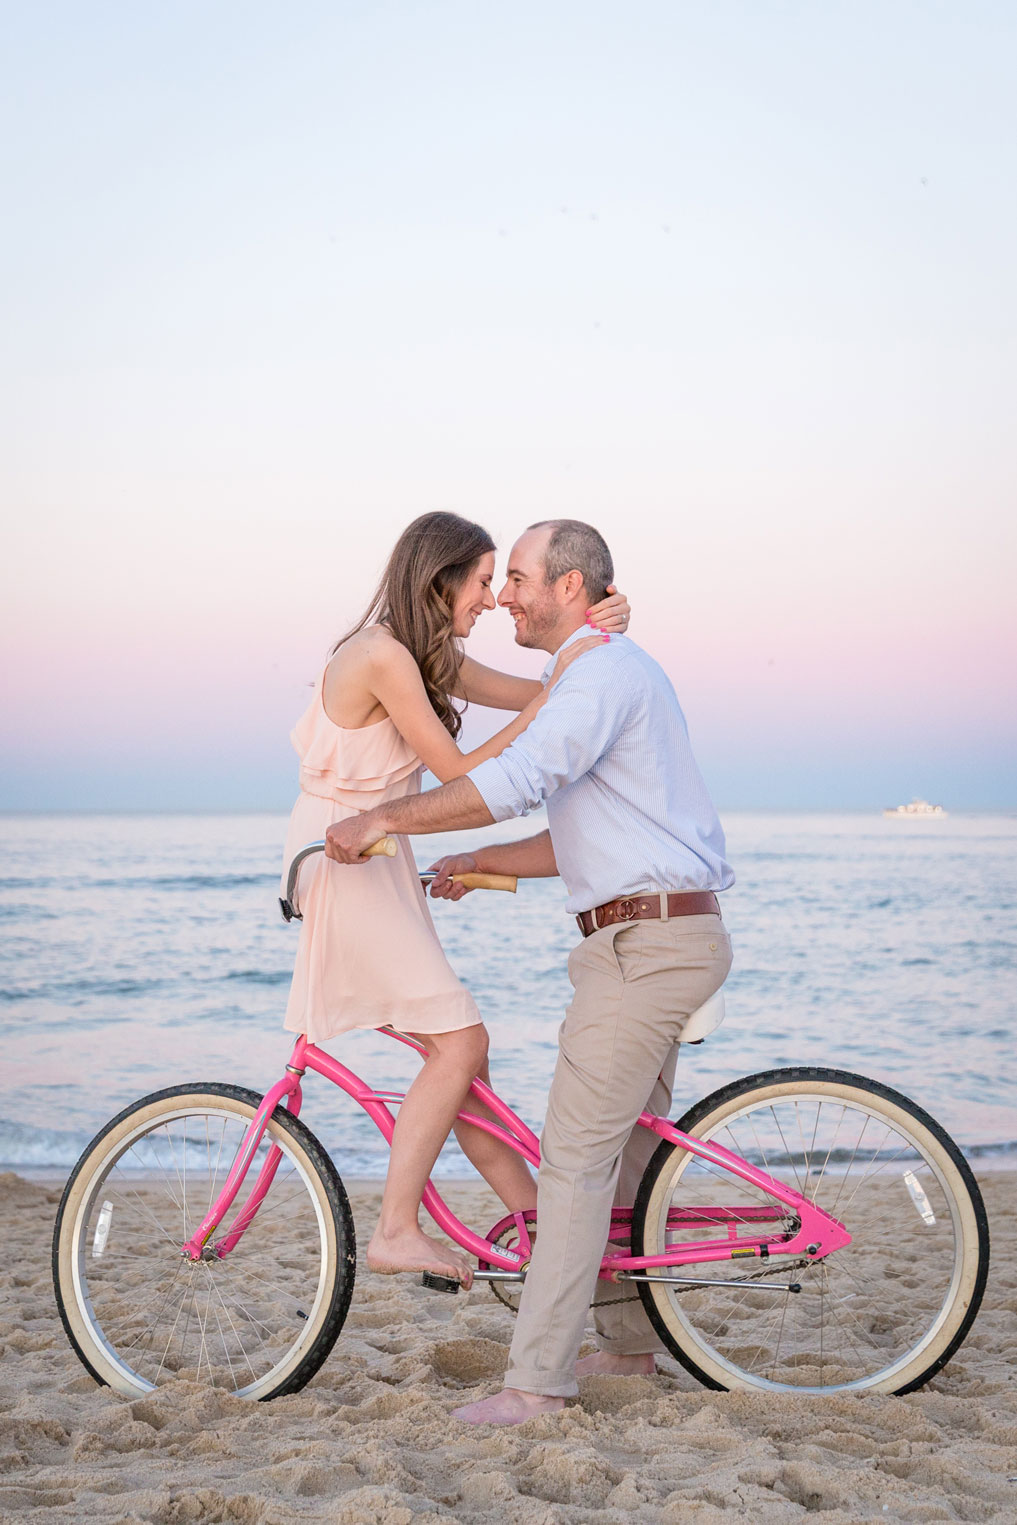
(571, 586)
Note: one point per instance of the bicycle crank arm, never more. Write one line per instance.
(700, 1281)
(435, 1283)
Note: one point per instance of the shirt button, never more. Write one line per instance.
(713, 947)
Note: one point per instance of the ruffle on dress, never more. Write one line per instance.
(336, 761)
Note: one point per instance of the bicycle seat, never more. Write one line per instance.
(705, 1019)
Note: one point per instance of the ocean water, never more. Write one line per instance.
(145, 951)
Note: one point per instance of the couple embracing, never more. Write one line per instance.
(632, 833)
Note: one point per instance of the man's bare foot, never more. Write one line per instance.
(603, 1364)
(510, 1406)
(413, 1250)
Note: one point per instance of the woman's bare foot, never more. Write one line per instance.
(603, 1364)
(413, 1250)
(510, 1406)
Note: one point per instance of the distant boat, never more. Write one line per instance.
(917, 810)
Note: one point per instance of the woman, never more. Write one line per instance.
(368, 954)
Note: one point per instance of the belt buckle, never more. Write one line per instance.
(625, 909)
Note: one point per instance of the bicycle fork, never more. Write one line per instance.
(287, 1089)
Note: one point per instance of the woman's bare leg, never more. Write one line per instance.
(424, 1123)
(505, 1171)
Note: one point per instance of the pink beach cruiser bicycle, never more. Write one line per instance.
(801, 1230)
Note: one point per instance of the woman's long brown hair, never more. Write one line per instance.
(429, 564)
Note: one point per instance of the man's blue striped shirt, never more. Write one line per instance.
(609, 752)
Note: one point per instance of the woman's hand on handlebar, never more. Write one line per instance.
(442, 887)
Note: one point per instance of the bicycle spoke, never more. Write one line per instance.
(169, 1339)
(762, 1348)
(780, 1333)
(243, 1351)
(822, 1318)
(845, 1332)
(202, 1325)
(787, 1151)
(143, 1210)
(805, 1151)
(850, 1163)
(832, 1146)
(214, 1174)
(812, 1146)
(168, 1135)
(147, 1168)
(262, 1282)
(270, 1334)
(872, 1174)
(148, 1332)
(137, 1309)
(271, 1206)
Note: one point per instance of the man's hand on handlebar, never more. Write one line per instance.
(345, 841)
(442, 887)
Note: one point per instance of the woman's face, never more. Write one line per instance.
(474, 596)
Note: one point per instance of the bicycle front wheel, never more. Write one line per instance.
(260, 1321)
(883, 1314)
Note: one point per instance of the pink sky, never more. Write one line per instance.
(739, 291)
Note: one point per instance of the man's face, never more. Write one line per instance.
(526, 596)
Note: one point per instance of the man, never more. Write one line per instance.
(634, 836)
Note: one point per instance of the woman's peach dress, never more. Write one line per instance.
(368, 954)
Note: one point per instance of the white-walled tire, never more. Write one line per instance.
(883, 1314)
(258, 1322)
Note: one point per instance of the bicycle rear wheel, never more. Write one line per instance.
(883, 1314)
(260, 1321)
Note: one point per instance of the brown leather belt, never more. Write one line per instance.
(645, 907)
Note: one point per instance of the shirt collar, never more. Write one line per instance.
(576, 635)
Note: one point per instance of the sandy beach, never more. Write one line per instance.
(371, 1438)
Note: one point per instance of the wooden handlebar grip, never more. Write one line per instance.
(487, 881)
(386, 848)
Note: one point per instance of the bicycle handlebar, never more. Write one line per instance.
(476, 881)
(385, 848)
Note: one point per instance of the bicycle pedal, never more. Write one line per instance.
(436, 1283)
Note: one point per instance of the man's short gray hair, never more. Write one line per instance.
(577, 547)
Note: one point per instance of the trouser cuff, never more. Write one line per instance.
(635, 1345)
(548, 1384)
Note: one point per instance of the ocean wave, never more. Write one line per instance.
(76, 992)
(39, 1148)
(258, 976)
(27, 913)
(181, 882)
(79, 882)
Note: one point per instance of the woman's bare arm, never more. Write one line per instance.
(495, 690)
(396, 683)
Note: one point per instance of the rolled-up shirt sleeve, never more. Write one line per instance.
(585, 713)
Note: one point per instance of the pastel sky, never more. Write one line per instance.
(733, 281)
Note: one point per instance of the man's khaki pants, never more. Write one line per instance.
(635, 987)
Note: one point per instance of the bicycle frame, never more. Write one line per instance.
(817, 1235)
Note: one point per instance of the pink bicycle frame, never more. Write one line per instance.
(817, 1234)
